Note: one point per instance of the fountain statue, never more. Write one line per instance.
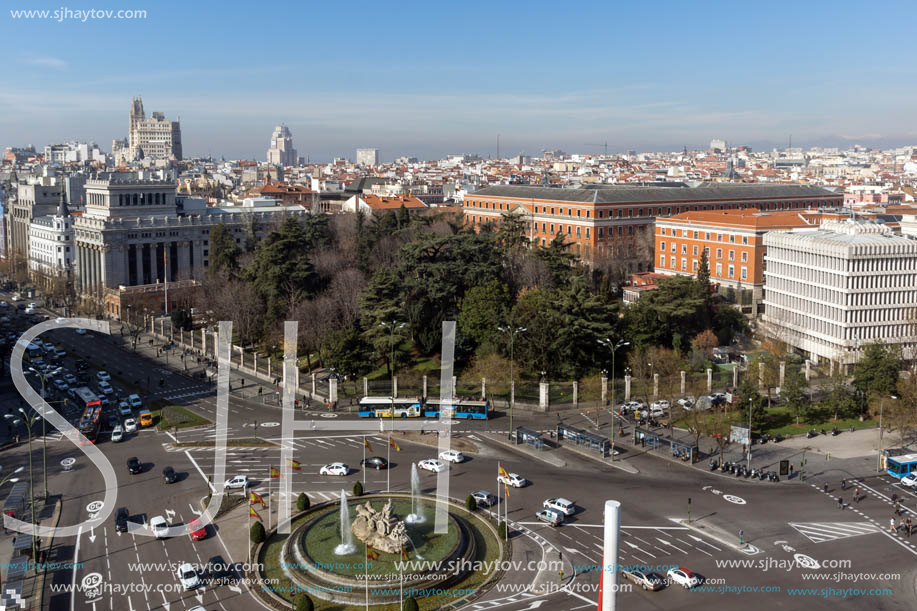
(346, 547)
(416, 516)
(380, 529)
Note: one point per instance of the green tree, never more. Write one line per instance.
(876, 371)
(794, 392)
(483, 309)
(751, 399)
(257, 532)
(539, 348)
(281, 271)
(304, 603)
(181, 319)
(348, 353)
(302, 501)
(558, 259)
(224, 252)
(380, 305)
(404, 219)
(358, 488)
(703, 273)
(675, 307)
(470, 503)
(410, 604)
(584, 320)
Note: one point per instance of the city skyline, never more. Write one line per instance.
(653, 80)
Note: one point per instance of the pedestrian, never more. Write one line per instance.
(897, 508)
(259, 391)
(908, 522)
(825, 489)
(840, 503)
(856, 495)
(891, 525)
(791, 471)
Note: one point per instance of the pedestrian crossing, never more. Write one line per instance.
(819, 532)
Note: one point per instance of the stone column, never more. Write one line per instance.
(313, 384)
(454, 387)
(709, 380)
(575, 394)
(483, 388)
(808, 370)
(269, 370)
(760, 375)
(735, 376)
(365, 386)
(782, 372)
(831, 367)
(627, 388)
(395, 386)
(81, 267)
(655, 386)
(204, 341)
(425, 387)
(184, 260)
(138, 262)
(604, 390)
(544, 396)
(682, 383)
(332, 389)
(255, 366)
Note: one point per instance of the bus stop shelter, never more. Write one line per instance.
(524, 435)
(584, 438)
(681, 449)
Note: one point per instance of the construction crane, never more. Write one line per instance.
(603, 145)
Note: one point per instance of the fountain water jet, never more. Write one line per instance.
(416, 516)
(346, 547)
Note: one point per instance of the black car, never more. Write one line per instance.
(81, 365)
(169, 475)
(121, 519)
(219, 571)
(113, 421)
(133, 465)
(377, 462)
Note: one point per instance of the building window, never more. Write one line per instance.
(719, 253)
(661, 260)
(744, 273)
(695, 265)
(732, 271)
(662, 246)
(684, 264)
(601, 232)
(744, 239)
(708, 237)
(744, 257)
(695, 235)
(719, 269)
(732, 238)
(672, 261)
(719, 237)
(732, 255)
(684, 249)
(694, 250)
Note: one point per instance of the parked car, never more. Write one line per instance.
(117, 434)
(910, 480)
(160, 527)
(239, 481)
(452, 456)
(645, 580)
(484, 498)
(125, 409)
(219, 571)
(135, 401)
(683, 577)
(550, 516)
(515, 480)
(376, 462)
(335, 468)
(69, 378)
(105, 388)
(114, 421)
(134, 466)
(130, 425)
(121, 517)
(188, 576)
(169, 475)
(560, 504)
(103, 376)
(431, 464)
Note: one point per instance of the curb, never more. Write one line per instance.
(58, 510)
(560, 463)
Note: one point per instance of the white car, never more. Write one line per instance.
(124, 409)
(560, 504)
(188, 576)
(239, 481)
(117, 434)
(60, 320)
(160, 527)
(431, 464)
(686, 402)
(4, 304)
(683, 577)
(910, 480)
(16, 298)
(80, 331)
(452, 456)
(335, 468)
(103, 376)
(105, 388)
(135, 401)
(30, 310)
(515, 480)
(130, 425)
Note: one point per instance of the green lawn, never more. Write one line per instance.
(780, 420)
(168, 416)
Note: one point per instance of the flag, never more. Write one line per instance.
(371, 554)
(506, 490)
(394, 444)
(366, 444)
(294, 464)
(253, 514)
(275, 472)
(256, 498)
(502, 472)
(404, 553)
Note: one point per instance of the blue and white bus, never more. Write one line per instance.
(899, 466)
(458, 408)
(382, 407)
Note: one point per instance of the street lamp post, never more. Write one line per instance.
(751, 402)
(879, 456)
(613, 347)
(512, 331)
(13, 480)
(31, 478)
(44, 436)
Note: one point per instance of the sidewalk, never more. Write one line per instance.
(549, 455)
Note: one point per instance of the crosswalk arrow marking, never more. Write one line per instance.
(92, 534)
(193, 510)
(235, 589)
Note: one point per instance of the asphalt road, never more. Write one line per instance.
(790, 527)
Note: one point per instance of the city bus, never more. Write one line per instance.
(899, 466)
(458, 408)
(92, 413)
(381, 407)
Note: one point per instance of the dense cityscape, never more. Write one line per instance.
(505, 377)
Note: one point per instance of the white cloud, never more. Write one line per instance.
(45, 61)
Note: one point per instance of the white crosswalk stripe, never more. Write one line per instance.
(819, 532)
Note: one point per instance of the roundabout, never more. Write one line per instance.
(325, 555)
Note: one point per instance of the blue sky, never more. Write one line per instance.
(429, 78)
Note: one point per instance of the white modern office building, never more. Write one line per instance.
(51, 245)
(830, 292)
(281, 151)
(368, 157)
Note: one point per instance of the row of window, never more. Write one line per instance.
(695, 250)
(705, 235)
(695, 265)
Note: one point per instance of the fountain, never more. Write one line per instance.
(346, 547)
(416, 516)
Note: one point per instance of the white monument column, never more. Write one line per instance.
(609, 579)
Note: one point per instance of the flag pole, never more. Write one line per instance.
(364, 461)
(248, 541)
(366, 564)
(388, 467)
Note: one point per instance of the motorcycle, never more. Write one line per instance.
(754, 473)
(812, 433)
(778, 438)
(774, 477)
(823, 432)
(714, 465)
(763, 476)
(835, 432)
(746, 473)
